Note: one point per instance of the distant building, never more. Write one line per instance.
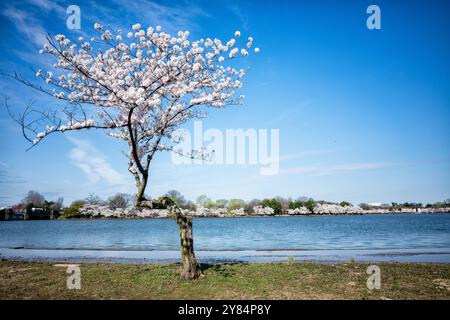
(4, 214)
(41, 214)
(8, 214)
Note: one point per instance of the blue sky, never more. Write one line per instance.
(364, 115)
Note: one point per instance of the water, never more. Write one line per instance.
(405, 237)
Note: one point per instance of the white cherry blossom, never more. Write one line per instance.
(140, 89)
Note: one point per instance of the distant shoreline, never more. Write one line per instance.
(134, 217)
(97, 211)
(228, 216)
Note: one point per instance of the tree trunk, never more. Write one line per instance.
(190, 268)
(141, 189)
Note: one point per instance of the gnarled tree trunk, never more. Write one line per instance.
(190, 268)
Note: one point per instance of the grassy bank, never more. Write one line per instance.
(32, 280)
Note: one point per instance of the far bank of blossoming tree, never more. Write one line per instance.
(139, 87)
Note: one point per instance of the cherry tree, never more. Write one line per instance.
(139, 87)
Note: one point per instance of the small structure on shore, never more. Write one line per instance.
(9, 214)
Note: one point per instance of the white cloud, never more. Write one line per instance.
(178, 16)
(48, 5)
(337, 168)
(289, 114)
(28, 19)
(94, 164)
(243, 17)
(26, 24)
(308, 153)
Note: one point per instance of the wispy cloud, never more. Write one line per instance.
(26, 24)
(337, 168)
(177, 16)
(29, 16)
(290, 114)
(94, 164)
(243, 17)
(48, 5)
(307, 153)
(6, 177)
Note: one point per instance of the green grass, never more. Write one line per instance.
(33, 280)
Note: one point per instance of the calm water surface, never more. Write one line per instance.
(382, 235)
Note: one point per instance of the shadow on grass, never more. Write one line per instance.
(221, 268)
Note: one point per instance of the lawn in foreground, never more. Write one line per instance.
(35, 280)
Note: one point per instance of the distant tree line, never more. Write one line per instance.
(279, 205)
(34, 199)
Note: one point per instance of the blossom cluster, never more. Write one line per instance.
(144, 79)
